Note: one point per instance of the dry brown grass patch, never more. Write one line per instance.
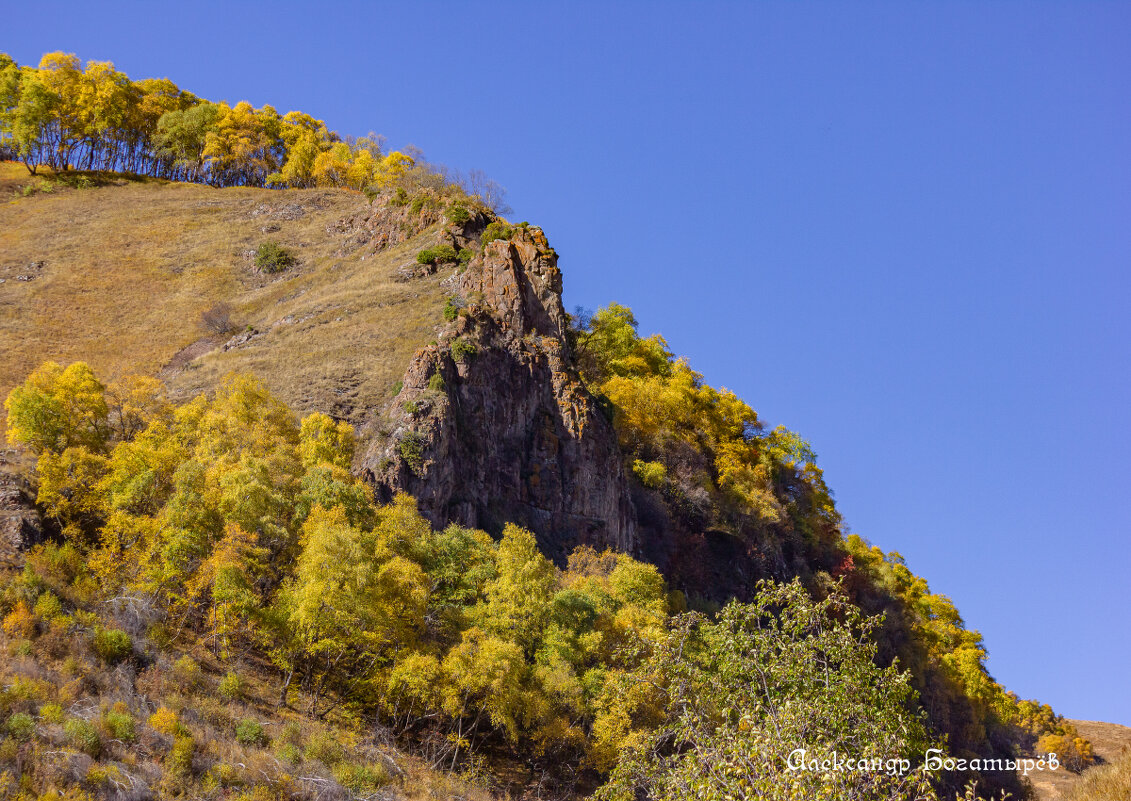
(119, 275)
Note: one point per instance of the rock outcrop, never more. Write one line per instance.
(20, 525)
(492, 424)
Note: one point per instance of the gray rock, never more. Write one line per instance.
(514, 436)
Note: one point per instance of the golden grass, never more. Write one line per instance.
(1110, 780)
(129, 267)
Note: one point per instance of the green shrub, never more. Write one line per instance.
(48, 607)
(178, 764)
(417, 204)
(51, 713)
(399, 198)
(496, 230)
(292, 733)
(112, 645)
(120, 726)
(83, 736)
(465, 255)
(457, 213)
(21, 726)
(360, 778)
(271, 257)
(411, 449)
(288, 752)
(463, 349)
(451, 308)
(436, 383)
(187, 672)
(397, 387)
(324, 748)
(651, 474)
(231, 686)
(249, 732)
(437, 255)
(411, 407)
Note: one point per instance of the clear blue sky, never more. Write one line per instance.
(901, 229)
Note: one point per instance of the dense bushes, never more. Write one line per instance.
(20, 726)
(411, 448)
(463, 349)
(437, 255)
(120, 724)
(83, 736)
(706, 450)
(112, 645)
(496, 230)
(243, 523)
(737, 697)
(457, 213)
(250, 732)
(1074, 752)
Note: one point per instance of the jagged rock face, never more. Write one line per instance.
(519, 281)
(20, 525)
(377, 226)
(512, 435)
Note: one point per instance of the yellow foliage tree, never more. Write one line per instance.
(322, 440)
(57, 408)
(392, 168)
(225, 586)
(70, 491)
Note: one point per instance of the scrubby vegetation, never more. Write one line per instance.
(496, 230)
(463, 349)
(451, 308)
(437, 255)
(457, 213)
(271, 257)
(1110, 782)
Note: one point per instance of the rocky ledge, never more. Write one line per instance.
(492, 424)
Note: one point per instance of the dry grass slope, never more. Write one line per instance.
(1109, 780)
(118, 274)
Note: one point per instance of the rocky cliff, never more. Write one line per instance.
(20, 525)
(492, 424)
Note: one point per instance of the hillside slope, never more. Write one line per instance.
(1112, 744)
(119, 274)
(437, 330)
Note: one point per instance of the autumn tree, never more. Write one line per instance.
(741, 695)
(57, 408)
